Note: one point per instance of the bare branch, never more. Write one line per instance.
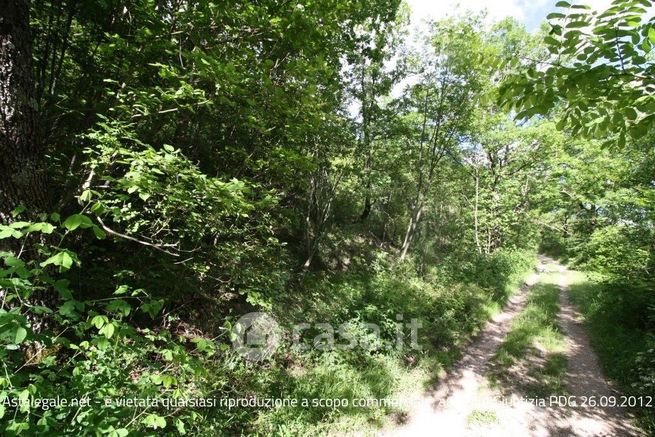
(160, 247)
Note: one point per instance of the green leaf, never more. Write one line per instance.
(122, 289)
(99, 321)
(21, 334)
(154, 421)
(24, 397)
(6, 232)
(12, 261)
(43, 227)
(119, 306)
(86, 195)
(168, 380)
(576, 24)
(552, 41)
(156, 379)
(651, 35)
(630, 114)
(111, 432)
(76, 221)
(101, 342)
(153, 307)
(179, 425)
(62, 289)
(99, 233)
(18, 225)
(62, 259)
(69, 309)
(18, 211)
(108, 330)
(37, 309)
(17, 428)
(555, 15)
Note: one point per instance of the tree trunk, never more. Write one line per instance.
(475, 212)
(411, 229)
(366, 143)
(367, 188)
(22, 170)
(367, 207)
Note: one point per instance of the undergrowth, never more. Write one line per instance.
(127, 346)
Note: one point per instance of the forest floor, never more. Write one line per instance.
(535, 349)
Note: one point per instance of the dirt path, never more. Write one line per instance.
(584, 378)
(465, 403)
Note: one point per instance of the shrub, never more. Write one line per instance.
(498, 271)
(617, 250)
(59, 344)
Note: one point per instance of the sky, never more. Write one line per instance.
(529, 12)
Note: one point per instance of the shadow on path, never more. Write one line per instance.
(466, 404)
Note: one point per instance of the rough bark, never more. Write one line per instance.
(22, 170)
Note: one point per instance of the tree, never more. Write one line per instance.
(506, 161)
(598, 79)
(600, 71)
(22, 173)
(597, 206)
(438, 108)
(376, 66)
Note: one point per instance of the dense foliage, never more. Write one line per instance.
(210, 159)
(596, 80)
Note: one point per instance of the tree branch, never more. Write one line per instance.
(160, 247)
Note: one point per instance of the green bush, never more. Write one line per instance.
(498, 271)
(617, 250)
(120, 345)
(57, 343)
(621, 250)
(216, 234)
(553, 244)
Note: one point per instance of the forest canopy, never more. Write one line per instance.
(169, 166)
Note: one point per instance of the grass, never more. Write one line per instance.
(451, 312)
(620, 322)
(532, 355)
(481, 418)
